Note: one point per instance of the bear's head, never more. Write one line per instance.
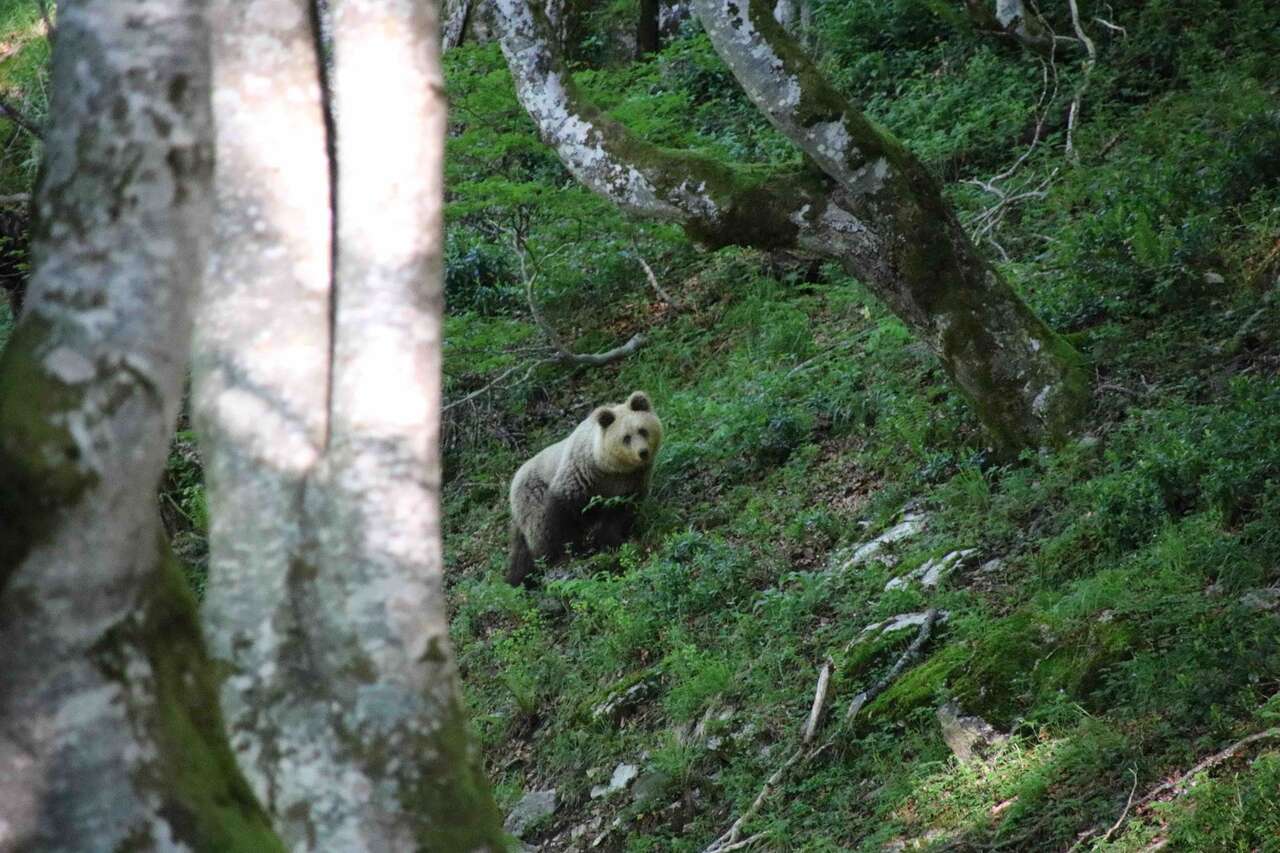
(629, 435)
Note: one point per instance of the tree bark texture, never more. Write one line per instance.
(110, 737)
(869, 204)
(1010, 19)
(317, 394)
(648, 35)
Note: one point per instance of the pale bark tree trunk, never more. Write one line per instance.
(317, 395)
(109, 733)
(873, 207)
(1010, 19)
(795, 16)
(455, 15)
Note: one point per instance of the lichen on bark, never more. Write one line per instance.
(108, 736)
(870, 204)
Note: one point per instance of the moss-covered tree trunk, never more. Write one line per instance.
(110, 738)
(317, 391)
(868, 203)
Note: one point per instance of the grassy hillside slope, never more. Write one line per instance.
(1119, 618)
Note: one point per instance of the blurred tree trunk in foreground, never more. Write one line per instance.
(317, 394)
(862, 199)
(109, 733)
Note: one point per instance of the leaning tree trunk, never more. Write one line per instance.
(873, 207)
(317, 395)
(109, 733)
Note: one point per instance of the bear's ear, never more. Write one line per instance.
(604, 417)
(638, 401)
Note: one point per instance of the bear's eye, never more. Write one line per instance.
(626, 439)
(644, 433)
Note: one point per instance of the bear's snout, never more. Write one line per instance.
(644, 454)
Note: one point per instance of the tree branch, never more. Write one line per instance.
(16, 116)
(912, 652)
(653, 280)
(1074, 116)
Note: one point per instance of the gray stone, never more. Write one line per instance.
(1267, 598)
(897, 623)
(532, 808)
(933, 571)
(620, 703)
(650, 787)
(911, 525)
(968, 737)
(623, 775)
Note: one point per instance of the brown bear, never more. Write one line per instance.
(560, 498)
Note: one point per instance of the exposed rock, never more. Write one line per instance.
(967, 736)
(992, 566)
(933, 571)
(623, 775)
(649, 787)
(582, 829)
(877, 549)
(710, 728)
(899, 622)
(532, 808)
(1267, 598)
(600, 839)
(622, 702)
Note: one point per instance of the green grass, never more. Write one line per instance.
(1122, 639)
(1127, 632)
(24, 62)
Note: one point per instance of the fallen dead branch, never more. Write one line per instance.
(563, 354)
(16, 116)
(1073, 116)
(732, 838)
(1210, 762)
(819, 700)
(560, 353)
(912, 652)
(653, 281)
(1177, 786)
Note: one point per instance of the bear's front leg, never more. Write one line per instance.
(562, 527)
(612, 525)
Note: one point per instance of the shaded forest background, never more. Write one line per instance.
(1119, 615)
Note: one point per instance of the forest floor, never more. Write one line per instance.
(1113, 617)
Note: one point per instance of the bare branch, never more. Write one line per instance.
(1212, 761)
(1160, 790)
(730, 839)
(1074, 116)
(653, 281)
(1128, 805)
(16, 116)
(501, 376)
(564, 355)
(1115, 28)
(819, 699)
(912, 652)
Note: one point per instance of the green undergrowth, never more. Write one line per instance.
(24, 66)
(1130, 627)
(1118, 620)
